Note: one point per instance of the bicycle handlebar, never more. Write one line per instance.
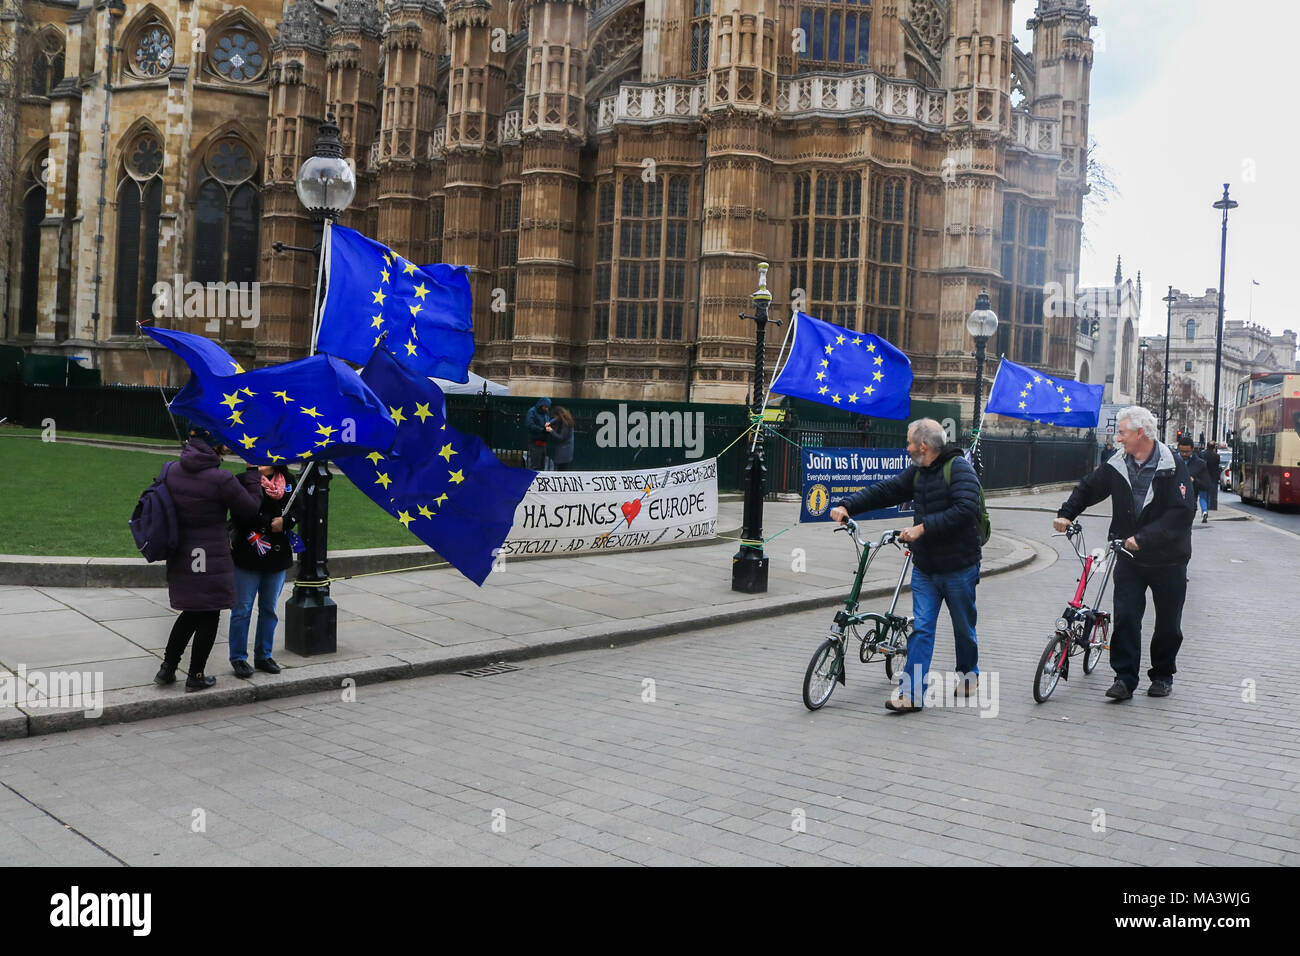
(887, 537)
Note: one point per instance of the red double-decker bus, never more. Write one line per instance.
(1266, 439)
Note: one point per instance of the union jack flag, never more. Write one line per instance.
(260, 543)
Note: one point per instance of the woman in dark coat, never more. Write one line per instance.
(200, 572)
(262, 554)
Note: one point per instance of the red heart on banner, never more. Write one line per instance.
(631, 509)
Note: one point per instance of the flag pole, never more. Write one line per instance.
(321, 271)
(984, 411)
(776, 371)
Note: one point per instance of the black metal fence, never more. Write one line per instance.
(1029, 461)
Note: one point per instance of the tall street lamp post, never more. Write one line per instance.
(1169, 331)
(1224, 204)
(749, 565)
(1143, 345)
(326, 185)
(981, 324)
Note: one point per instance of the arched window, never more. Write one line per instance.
(33, 216)
(47, 63)
(1191, 329)
(700, 28)
(227, 208)
(139, 206)
(833, 33)
(151, 50)
(507, 258)
(237, 54)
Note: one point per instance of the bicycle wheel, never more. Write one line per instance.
(823, 672)
(1096, 644)
(1050, 666)
(896, 662)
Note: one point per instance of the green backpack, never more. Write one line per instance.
(985, 525)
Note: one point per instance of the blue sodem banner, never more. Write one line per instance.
(830, 474)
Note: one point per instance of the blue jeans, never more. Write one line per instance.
(1205, 502)
(957, 589)
(266, 587)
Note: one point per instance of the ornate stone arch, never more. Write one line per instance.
(517, 16)
(30, 196)
(148, 45)
(613, 39)
(237, 48)
(46, 58)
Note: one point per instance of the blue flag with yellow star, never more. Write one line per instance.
(446, 488)
(1021, 392)
(426, 311)
(856, 371)
(314, 407)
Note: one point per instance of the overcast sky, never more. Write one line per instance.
(1188, 95)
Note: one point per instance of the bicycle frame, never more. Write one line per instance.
(883, 624)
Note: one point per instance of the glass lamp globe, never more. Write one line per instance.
(983, 322)
(326, 185)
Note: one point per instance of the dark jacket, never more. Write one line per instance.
(536, 420)
(1213, 462)
(1199, 473)
(563, 438)
(203, 492)
(280, 556)
(950, 513)
(1163, 528)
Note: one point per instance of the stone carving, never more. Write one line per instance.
(301, 27)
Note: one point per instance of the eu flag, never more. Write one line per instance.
(857, 371)
(292, 412)
(446, 488)
(1022, 392)
(426, 311)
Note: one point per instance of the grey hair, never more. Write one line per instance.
(928, 432)
(1141, 418)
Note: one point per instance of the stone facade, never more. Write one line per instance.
(1110, 355)
(611, 171)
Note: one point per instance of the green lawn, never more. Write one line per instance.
(64, 499)
(7, 432)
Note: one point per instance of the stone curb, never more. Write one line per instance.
(144, 703)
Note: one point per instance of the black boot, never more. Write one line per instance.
(166, 674)
(197, 681)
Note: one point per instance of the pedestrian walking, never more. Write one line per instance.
(1152, 507)
(945, 544)
(1214, 465)
(1198, 472)
(537, 419)
(200, 572)
(560, 429)
(262, 554)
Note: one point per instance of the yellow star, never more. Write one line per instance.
(414, 336)
(274, 458)
(820, 376)
(304, 454)
(1061, 389)
(384, 273)
(421, 290)
(384, 480)
(853, 399)
(410, 348)
(377, 322)
(388, 260)
(239, 369)
(409, 268)
(835, 399)
(379, 297)
(880, 360)
(375, 458)
(1049, 382)
(1024, 393)
(415, 310)
(310, 411)
(871, 346)
(249, 392)
(869, 389)
(1022, 404)
(447, 451)
(398, 417)
(1038, 378)
(823, 390)
(232, 399)
(422, 411)
(247, 442)
(425, 512)
(378, 339)
(457, 477)
(858, 340)
(839, 340)
(235, 417)
(440, 499)
(825, 363)
(405, 518)
(830, 349)
(326, 430)
(322, 444)
(283, 395)
(877, 375)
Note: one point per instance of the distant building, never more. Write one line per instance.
(1109, 355)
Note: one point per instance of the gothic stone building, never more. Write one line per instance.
(612, 171)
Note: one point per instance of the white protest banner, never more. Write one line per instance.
(568, 512)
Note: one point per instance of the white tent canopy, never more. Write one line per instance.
(473, 387)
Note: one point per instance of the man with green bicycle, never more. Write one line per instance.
(945, 545)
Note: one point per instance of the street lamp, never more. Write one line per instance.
(1143, 345)
(326, 185)
(1224, 204)
(749, 564)
(116, 10)
(1169, 329)
(981, 324)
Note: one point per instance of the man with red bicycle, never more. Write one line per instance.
(1153, 503)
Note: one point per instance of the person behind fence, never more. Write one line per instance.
(560, 428)
(537, 419)
(945, 544)
(1198, 472)
(262, 555)
(1152, 507)
(200, 572)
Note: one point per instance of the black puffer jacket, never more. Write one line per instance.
(1163, 528)
(1198, 472)
(950, 513)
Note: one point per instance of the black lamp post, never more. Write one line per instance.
(1224, 204)
(749, 565)
(981, 324)
(116, 10)
(1142, 367)
(1169, 331)
(326, 185)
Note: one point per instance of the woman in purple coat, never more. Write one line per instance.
(200, 572)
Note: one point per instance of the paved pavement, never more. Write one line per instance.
(571, 760)
(396, 625)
